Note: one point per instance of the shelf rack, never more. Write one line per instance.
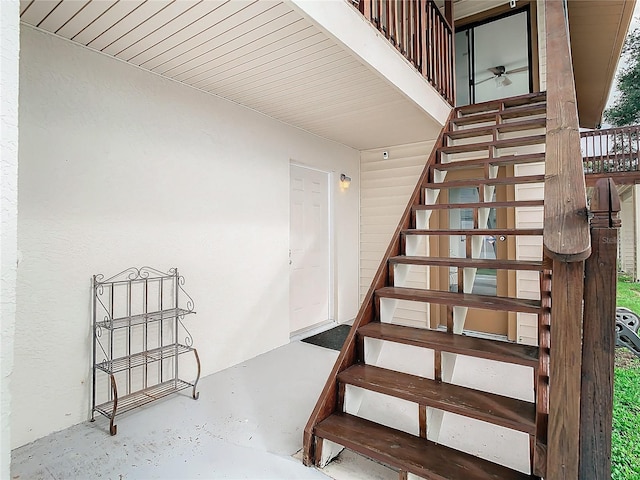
(137, 319)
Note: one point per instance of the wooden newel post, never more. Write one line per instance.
(596, 404)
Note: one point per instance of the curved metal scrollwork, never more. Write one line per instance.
(188, 340)
(98, 334)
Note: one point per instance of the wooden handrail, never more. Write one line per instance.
(566, 229)
(567, 241)
(421, 33)
(327, 401)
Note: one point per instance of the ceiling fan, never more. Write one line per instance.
(500, 75)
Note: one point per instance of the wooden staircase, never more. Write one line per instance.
(487, 145)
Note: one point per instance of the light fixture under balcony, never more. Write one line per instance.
(345, 181)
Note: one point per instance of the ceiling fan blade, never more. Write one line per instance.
(518, 70)
(483, 81)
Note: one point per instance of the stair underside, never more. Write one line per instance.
(410, 453)
(488, 407)
(515, 353)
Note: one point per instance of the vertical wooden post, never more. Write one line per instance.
(596, 401)
(566, 355)
(448, 12)
(365, 8)
(450, 53)
(424, 29)
(567, 241)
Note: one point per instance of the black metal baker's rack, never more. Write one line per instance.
(137, 322)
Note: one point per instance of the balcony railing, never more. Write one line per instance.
(612, 150)
(421, 34)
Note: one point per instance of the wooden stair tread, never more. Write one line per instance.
(526, 355)
(475, 231)
(488, 407)
(499, 127)
(507, 143)
(453, 206)
(526, 99)
(480, 162)
(469, 263)
(471, 300)
(486, 181)
(408, 452)
(511, 112)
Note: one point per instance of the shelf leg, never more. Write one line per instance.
(195, 394)
(113, 429)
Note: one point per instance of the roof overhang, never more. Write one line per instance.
(598, 29)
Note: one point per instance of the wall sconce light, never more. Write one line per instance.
(344, 181)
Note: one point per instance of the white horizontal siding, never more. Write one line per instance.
(385, 188)
(542, 46)
(528, 248)
(627, 246)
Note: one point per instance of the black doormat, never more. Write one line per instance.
(332, 339)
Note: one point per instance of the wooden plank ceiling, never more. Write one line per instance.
(258, 53)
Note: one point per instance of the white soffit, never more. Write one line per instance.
(264, 54)
(466, 8)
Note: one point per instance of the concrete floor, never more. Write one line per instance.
(247, 424)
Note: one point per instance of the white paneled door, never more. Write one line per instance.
(309, 248)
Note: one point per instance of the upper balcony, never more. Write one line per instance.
(421, 33)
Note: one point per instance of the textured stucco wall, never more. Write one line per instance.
(120, 167)
(9, 51)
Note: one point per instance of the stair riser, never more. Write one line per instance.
(409, 453)
(484, 151)
(482, 374)
(386, 410)
(511, 115)
(435, 262)
(463, 345)
(404, 414)
(399, 357)
(521, 125)
(425, 216)
(495, 135)
(415, 276)
(500, 104)
(483, 163)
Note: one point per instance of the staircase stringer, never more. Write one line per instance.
(350, 353)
